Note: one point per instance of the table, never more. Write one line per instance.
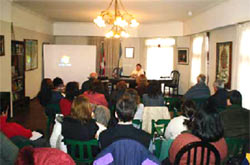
(153, 113)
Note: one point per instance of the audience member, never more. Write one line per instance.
(199, 90)
(125, 110)
(95, 93)
(56, 95)
(154, 96)
(86, 84)
(121, 86)
(219, 99)
(40, 156)
(44, 95)
(79, 125)
(8, 150)
(142, 85)
(72, 91)
(178, 124)
(235, 118)
(205, 126)
(132, 93)
(138, 71)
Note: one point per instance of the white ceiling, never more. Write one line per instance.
(145, 11)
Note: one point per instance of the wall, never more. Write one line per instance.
(227, 13)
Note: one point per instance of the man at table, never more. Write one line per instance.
(138, 71)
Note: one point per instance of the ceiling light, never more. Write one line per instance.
(119, 19)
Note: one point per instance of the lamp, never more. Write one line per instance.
(119, 20)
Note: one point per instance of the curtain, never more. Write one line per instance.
(198, 62)
(241, 79)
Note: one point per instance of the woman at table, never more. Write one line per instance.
(205, 126)
(179, 124)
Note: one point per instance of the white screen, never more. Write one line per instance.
(69, 62)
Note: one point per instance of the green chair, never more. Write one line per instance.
(172, 104)
(80, 156)
(51, 111)
(137, 123)
(159, 127)
(157, 143)
(237, 147)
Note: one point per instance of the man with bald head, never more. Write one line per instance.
(199, 90)
(86, 84)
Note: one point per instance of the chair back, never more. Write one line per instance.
(77, 151)
(203, 149)
(137, 123)
(237, 147)
(172, 103)
(159, 127)
(117, 72)
(175, 76)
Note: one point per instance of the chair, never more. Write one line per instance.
(237, 147)
(80, 156)
(137, 123)
(159, 127)
(172, 104)
(198, 148)
(175, 76)
(117, 72)
(51, 110)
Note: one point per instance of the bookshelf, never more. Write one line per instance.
(17, 71)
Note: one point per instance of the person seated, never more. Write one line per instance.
(45, 92)
(79, 125)
(199, 90)
(205, 126)
(137, 72)
(142, 85)
(121, 86)
(219, 99)
(86, 84)
(72, 90)
(125, 110)
(179, 124)
(154, 95)
(95, 93)
(56, 95)
(38, 156)
(235, 118)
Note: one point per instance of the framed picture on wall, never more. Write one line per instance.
(2, 53)
(183, 56)
(129, 52)
(224, 62)
(31, 54)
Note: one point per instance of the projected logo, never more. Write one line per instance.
(65, 61)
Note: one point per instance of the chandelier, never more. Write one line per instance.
(118, 19)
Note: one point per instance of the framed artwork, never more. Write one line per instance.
(31, 54)
(183, 56)
(129, 52)
(224, 62)
(2, 53)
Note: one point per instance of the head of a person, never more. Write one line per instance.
(96, 86)
(201, 78)
(46, 84)
(126, 108)
(93, 76)
(81, 109)
(58, 83)
(138, 67)
(218, 84)
(72, 90)
(188, 108)
(142, 80)
(121, 86)
(132, 93)
(102, 114)
(44, 94)
(207, 124)
(234, 98)
(154, 89)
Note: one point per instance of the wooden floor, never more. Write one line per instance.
(31, 116)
